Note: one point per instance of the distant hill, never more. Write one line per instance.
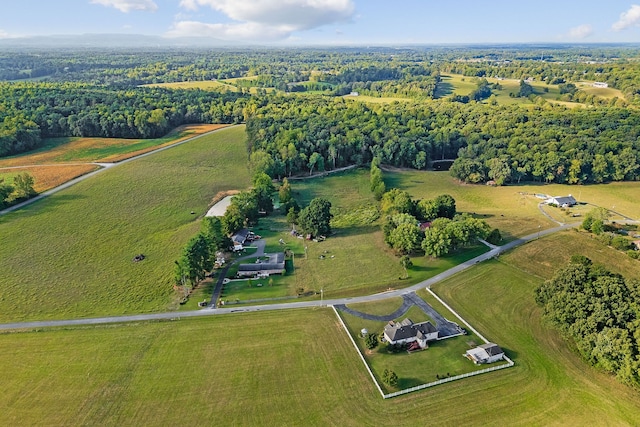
(112, 40)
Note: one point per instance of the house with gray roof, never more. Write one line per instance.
(485, 353)
(274, 265)
(406, 331)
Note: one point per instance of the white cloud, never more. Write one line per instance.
(243, 31)
(628, 19)
(271, 19)
(4, 34)
(127, 6)
(581, 31)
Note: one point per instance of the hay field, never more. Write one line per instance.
(47, 177)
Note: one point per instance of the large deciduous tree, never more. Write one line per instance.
(315, 219)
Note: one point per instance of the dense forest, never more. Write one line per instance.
(598, 310)
(503, 143)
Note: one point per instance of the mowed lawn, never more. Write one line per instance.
(70, 255)
(550, 384)
(442, 358)
(354, 260)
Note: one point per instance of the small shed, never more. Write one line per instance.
(485, 353)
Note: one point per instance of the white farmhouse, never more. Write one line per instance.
(562, 201)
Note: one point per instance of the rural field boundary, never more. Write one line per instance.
(321, 174)
(478, 334)
(105, 166)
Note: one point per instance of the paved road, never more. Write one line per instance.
(104, 166)
(445, 328)
(289, 305)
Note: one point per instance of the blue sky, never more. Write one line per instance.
(332, 21)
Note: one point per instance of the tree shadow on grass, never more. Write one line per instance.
(511, 354)
(357, 230)
(443, 89)
(405, 383)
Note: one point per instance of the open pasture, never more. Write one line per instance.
(457, 84)
(66, 150)
(463, 85)
(543, 257)
(513, 208)
(70, 255)
(602, 92)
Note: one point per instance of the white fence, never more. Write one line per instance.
(449, 379)
(442, 381)
(358, 351)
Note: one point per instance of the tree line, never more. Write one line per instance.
(30, 112)
(19, 190)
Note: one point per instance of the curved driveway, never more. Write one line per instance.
(290, 305)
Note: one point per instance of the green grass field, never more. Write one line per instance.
(216, 85)
(70, 254)
(550, 382)
(354, 260)
(298, 367)
(463, 85)
(602, 92)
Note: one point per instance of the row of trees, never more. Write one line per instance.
(32, 111)
(199, 254)
(598, 311)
